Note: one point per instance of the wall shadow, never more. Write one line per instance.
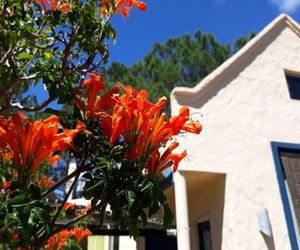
(206, 197)
(269, 241)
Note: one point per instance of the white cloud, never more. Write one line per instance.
(287, 6)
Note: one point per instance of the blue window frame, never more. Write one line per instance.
(277, 149)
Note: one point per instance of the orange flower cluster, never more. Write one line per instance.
(93, 104)
(45, 181)
(69, 205)
(72, 209)
(145, 129)
(83, 211)
(138, 122)
(108, 7)
(5, 154)
(121, 6)
(33, 143)
(15, 234)
(58, 241)
(54, 5)
(5, 184)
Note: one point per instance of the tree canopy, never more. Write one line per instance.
(181, 61)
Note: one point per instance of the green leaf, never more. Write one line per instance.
(133, 228)
(43, 217)
(19, 199)
(146, 185)
(168, 216)
(12, 38)
(102, 214)
(155, 205)
(115, 207)
(87, 195)
(52, 111)
(93, 188)
(144, 217)
(35, 192)
(153, 209)
(130, 196)
(87, 175)
(24, 55)
(26, 214)
(72, 245)
(52, 89)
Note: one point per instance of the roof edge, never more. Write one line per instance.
(283, 18)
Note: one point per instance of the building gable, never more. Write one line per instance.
(244, 101)
(241, 59)
(244, 105)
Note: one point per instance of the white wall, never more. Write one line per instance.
(242, 111)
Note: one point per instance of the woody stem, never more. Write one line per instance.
(64, 180)
(65, 199)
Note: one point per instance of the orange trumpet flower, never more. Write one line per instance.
(138, 122)
(44, 181)
(54, 5)
(32, 143)
(121, 6)
(93, 104)
(145, 129)
(57, 241)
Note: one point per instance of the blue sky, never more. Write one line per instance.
(163, 19)
(226, 19)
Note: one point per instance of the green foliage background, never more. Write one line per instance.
(182, 61)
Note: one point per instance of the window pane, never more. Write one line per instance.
(204, 233)
(291, 166)
(293, 86)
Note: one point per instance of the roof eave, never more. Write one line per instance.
(191, 92)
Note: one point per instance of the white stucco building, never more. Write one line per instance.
(240, 186)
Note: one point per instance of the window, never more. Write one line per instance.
(204, 235)
(287, 164)
(293, 82)
(160, 242)
(290, 160)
